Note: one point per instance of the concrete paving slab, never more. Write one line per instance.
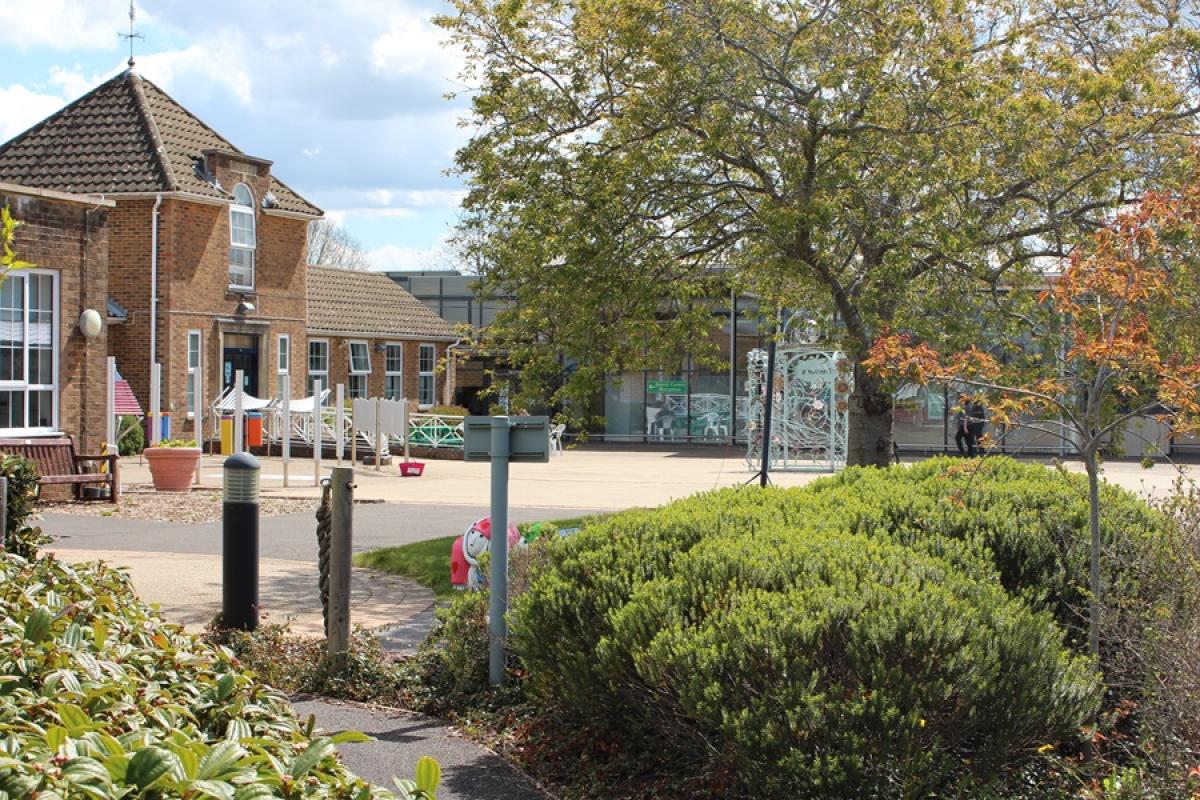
(594, 478)
(187, 589)
(469, 772)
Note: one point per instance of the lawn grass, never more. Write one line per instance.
(428, 562)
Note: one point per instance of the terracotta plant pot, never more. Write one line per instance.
(172, 467)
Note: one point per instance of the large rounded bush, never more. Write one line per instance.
(825, 664)
(959, 565)
(837, 665)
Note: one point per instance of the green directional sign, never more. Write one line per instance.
(666, 387)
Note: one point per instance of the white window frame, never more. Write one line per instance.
(234, 246)
(193, 370)
(393, 373)
(25, 385)
(431, 374)
(283, 354)
(359, 374)
(318, 373)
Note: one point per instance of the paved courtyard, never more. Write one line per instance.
(178, 564)
(594, 477)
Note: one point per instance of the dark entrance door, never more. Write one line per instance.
(241, 352)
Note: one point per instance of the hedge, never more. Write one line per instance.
(752, 623)
(99, 698)
(21, 538)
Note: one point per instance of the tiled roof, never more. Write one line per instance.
(356, 303)
(126, 135)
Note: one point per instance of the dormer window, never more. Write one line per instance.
(241, 239)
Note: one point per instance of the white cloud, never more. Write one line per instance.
(215, 62)
(374, 213)
(412, 44)
(329, 57)
(63, 24)
(382, 197)
(73, 82)
(435, 198)
(311, 152)
(23, 108)
(394, 257)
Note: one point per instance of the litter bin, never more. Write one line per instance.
(227, 435)
(254, 429)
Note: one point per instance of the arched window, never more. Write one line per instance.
(241, 238)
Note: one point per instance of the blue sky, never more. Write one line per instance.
(347, 97)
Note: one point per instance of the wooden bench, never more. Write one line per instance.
(58, 463)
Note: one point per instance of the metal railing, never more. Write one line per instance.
(435, 431)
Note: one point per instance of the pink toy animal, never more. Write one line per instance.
(477, 541)
(458, 565)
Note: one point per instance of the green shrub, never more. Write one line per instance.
(828, 665)
(102, 699)
(633, 622)
(298, 664)
(448, 411)
(177, 443)
(133, 437)
(452, 663)
(20, 538)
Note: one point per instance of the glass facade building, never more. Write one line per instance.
(691, 403)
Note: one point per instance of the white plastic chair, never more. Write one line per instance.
(556, 442)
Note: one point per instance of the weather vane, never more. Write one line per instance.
(131, 35)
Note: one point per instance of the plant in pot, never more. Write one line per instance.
(173, 463)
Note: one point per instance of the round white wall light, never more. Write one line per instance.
(90, 323)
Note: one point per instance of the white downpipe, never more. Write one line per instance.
(285, 392)
(110, 403)
(239, 412)
(154, 290)
(317, 438)
(155, 404)
(340, 421)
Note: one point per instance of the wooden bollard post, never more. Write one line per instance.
(340, 549)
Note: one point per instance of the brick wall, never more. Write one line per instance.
(193, 264)
(339, 365)
(73, 240)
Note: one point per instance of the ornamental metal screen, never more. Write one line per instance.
(810, 412)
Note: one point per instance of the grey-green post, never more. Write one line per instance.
(341, 534)
(498, 626)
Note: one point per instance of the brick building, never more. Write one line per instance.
(51, 374)
(366, 332)
(206, 247)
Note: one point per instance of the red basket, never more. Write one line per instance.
(412, 469)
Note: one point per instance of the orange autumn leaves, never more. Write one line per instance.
(1124, 321)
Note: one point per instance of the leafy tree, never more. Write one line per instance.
(873, 161)
(1118, 337)
(8, 234)
(331, 245)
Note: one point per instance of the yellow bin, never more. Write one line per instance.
(226, 436)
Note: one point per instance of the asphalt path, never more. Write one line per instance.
(469, 772)
(288, 536)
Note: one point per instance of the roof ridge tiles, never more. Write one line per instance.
(135, 83)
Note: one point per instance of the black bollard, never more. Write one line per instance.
(239, 543)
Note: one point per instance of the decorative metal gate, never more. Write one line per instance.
(810, 412)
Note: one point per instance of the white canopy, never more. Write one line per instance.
(304, 405)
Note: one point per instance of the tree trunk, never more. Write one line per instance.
(1093, 473)
(870, 434)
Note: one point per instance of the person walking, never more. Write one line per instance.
(961, 426)
(976, 422)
